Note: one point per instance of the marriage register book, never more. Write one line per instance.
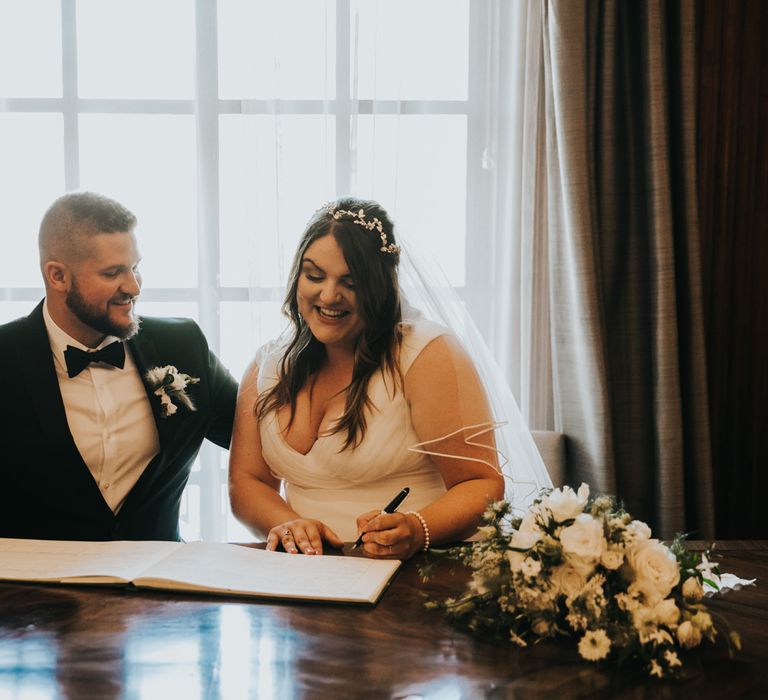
(204, 567)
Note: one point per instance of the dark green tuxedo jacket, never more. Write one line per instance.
(47, 491)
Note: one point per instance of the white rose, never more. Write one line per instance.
(583, 542)
(528, 534)
(636, 533)
(656, 569)
(688, 635)
(524, 539)
(564, 504)
(692, 589)
(567, 580)
(667, 612)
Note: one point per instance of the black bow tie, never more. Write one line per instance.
(77, 360)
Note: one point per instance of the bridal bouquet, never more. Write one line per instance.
(583, 568)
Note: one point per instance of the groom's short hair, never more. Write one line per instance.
(79, 214)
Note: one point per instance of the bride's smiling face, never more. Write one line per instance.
(325, 295)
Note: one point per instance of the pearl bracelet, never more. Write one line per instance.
(423, 527)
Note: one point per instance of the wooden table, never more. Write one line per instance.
(81, 643)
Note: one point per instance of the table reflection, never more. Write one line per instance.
(28, 668)
(103, 643)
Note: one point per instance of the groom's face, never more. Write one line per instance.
(105, 284)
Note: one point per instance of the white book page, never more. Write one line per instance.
(229, 568)
(79, 562)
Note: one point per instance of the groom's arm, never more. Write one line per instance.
(223, 399)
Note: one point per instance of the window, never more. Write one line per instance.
(223, 123)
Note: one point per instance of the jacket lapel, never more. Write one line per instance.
(36, 363)
(145, 355)
(35, 360)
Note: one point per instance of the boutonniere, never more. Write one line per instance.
(170, 384)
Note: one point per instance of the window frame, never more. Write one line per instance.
(207, 108)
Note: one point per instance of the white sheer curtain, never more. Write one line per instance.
(486, 228)
(517, 315)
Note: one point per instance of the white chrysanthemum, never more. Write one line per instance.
(594, 645)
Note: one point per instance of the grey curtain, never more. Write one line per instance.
(625, 291)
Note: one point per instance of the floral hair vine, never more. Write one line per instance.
(358, 217)
(170, 384)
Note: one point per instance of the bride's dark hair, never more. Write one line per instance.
(374, 273)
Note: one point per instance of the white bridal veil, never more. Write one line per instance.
(427, 292)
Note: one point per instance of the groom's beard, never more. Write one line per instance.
(97, 318)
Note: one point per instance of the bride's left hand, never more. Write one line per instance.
(390, 535)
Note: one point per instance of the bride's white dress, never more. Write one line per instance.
(335, 485)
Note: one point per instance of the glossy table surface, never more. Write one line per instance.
(81, 643)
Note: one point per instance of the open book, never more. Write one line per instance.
(224, 569)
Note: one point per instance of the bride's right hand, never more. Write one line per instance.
(301, 535)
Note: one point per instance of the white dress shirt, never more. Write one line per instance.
(109, 416)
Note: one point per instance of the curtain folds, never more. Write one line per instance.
(624, 270)
(518, 331)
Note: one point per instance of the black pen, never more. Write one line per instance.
(391, 507)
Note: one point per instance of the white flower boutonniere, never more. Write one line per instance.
(170, 384)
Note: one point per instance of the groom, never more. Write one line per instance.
(102, 412)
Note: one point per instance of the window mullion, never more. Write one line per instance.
(210, 478)
(479, 277)
(69, 94)
(343, 101)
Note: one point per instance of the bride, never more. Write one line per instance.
(359, 401)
